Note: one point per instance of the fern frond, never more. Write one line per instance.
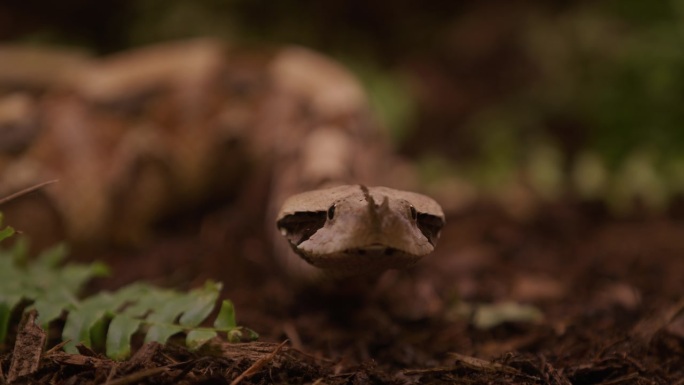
(108, 320)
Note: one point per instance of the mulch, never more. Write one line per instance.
(610, 292)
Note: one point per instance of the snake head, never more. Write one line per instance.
(358, 230)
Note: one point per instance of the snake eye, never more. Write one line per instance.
(331, 212)
(414, 214)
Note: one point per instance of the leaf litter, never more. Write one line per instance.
(617, 319)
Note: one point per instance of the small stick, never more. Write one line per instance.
(26, 191)
(260, 363)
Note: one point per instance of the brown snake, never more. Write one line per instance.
(135, 134)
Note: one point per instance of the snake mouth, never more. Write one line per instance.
(373, 250)
(364, 261)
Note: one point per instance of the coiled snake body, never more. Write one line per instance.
(135, 134)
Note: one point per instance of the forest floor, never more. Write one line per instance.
(567, 296)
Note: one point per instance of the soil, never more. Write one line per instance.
(591, 300)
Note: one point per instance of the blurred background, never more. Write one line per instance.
(552, 100)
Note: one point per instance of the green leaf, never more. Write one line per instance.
(139, 299)
(239, 333)
(226, 317)
(121, 329)
(84, 318)
(98, 333)
(204, 302)
(53, 256)
(173, 304)
(19, 251)
(251, 334)
(75, 276)
(6, 233)
(77, 329)
(52, 303)
(196, 338)
(8, 297)
(161, 332)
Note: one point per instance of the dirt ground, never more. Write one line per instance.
(609, 293)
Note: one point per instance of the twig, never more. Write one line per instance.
(139, 376)
(110, 376)
(26, 191)
(618, 380)
(252, 370)
(57, 347)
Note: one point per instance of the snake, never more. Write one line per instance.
(138, 133)
(353, 229)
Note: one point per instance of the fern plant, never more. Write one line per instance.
(6, 232)
(107, 319)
